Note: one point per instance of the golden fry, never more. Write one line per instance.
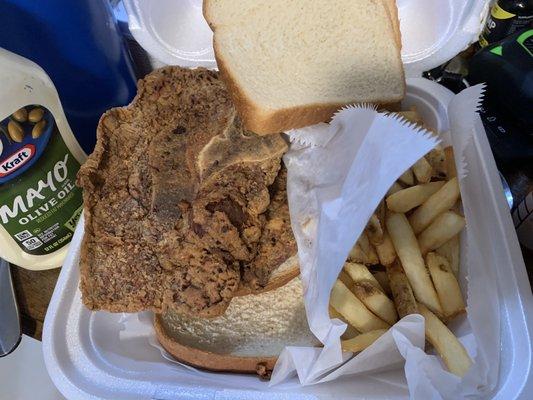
(355, 312)
(451, 169)
(360, 273)
(350, 331)
(443, 228)
(402, 293)
(408, 251)
(407, 199)
(446, 285)
(439, 202)
(374, 230)
(407, 178)
(376, 301)
(385, 250)
(437, 159)
(363, 252)
(451, 250)
(449, 348)
(422, 170)
(345, 278)
(394, 188)
(361, 342)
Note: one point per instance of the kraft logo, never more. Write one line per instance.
(16, 160)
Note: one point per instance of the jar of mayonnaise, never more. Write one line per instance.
(39, 159)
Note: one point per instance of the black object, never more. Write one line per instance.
(507, 68)
(450, 75)
(506, 17)
(508, 142)
(507, 112)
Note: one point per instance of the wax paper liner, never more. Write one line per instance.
(335, 182)
(333, 188)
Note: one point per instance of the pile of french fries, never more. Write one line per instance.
(407, 261)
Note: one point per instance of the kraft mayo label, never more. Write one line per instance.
(39, 201)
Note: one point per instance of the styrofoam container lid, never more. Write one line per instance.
(172, 31)
(433, 31)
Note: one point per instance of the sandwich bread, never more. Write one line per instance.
(247, 338)
(289, 64)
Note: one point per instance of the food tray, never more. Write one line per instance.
(87, 360)
(433, 31)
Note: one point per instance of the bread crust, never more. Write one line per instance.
(392, 7)
(276, 121)
(264, 122)
(291, 269)
(209, 360)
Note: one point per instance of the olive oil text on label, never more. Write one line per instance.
(25, 203)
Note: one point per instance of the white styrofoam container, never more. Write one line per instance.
(174, 32)
(433, 31)
(86, 359)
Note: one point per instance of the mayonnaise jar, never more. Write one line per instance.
(39, 159)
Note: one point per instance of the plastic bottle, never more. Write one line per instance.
(506, 17)
(39, 158)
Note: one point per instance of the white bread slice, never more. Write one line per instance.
(294, 63)
(252, 332)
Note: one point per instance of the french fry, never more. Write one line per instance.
(361, 342)
(376, 301)
(451, 251)
(363, 252)
(449, 348)
(381, 212)
(407, 199)
(394, 188)
(435, 205)
(350, 331)
(407, 178)
(437, 160)
(353, 310)
(385, 250)
(457, 207)
(408, 251)
(446, 285)
(442, 229)
(345, 278)
(422, 170)
(368, 249)
(374, 230)
(383, 280)
(403, 296)
(360, 273)
(356, 255)
(451, 169)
